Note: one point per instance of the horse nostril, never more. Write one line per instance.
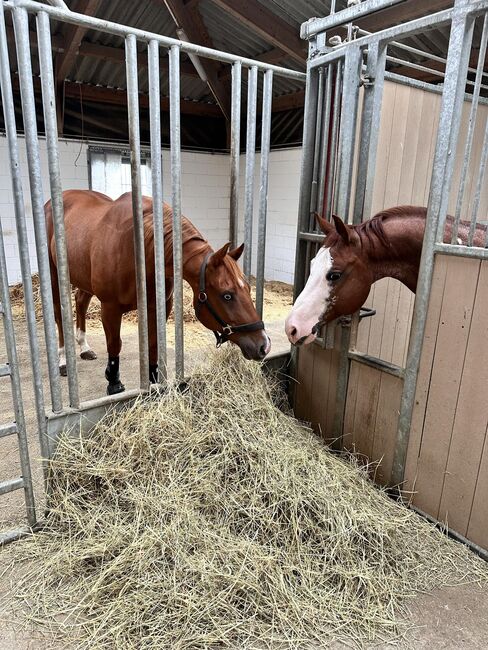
(293, 331)
(262, 350)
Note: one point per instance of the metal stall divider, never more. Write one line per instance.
(252, 97)
(85, 413)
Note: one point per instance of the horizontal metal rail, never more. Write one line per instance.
(429, 87)
(11, 485)
(378, 364)
(311, 236)
(109, 27)
(8, 430)
(4, 370)
(14, 535)
(462, 251)
(317, 25)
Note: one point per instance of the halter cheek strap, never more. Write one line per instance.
(227, 330)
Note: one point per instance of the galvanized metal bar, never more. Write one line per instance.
(462, 251)
(349, 113)
(235, 150)
(157, 197)
(30, 128)
(470, 134)
(317, 149)
(175, 138)
(137, 213)
(109, 27)
(324, 146)
(57, 206)
(370, 127)
(316, 25)
(448, 130)
(252, 94)
(402, 30)
(311, 236)
(378, 364)
(11, 485)
(306, 175)
(333, 148)
(423, 68)
(263, 187)
(14, 535)
(479, 186)
(13, 361)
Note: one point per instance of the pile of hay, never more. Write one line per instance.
(212, 519)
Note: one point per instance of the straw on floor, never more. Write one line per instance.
(211, 519)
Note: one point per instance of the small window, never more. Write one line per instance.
(110, 172)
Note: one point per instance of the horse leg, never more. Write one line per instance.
(153, 334)
(111, 320)
(58, 319)
(82, 300)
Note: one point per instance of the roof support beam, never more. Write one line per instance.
(268, 25)
(188, 19)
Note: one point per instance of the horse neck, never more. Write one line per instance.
(399, 255)
(194, 253)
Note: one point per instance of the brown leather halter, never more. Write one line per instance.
(227, 330)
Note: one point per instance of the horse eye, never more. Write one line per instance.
(227, 296)
(333, 276)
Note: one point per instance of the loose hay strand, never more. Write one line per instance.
(211, 519)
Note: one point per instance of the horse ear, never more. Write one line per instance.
(237, 252)
(324, 225)
(342, 229)
(218, 257)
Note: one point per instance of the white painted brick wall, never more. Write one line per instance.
(205, 199)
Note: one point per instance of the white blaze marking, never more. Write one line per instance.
(241, 283)
(312, 302)
(459, 241)
(62, 357)
(82, 341)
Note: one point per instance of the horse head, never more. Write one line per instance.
(338, 285)
(224, 305)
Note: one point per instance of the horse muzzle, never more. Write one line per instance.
(255, 346)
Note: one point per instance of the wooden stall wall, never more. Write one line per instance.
(447, 464)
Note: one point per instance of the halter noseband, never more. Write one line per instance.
(227, 330)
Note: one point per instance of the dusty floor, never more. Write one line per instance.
(455, 618)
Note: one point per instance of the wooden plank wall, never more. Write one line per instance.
(447, 465)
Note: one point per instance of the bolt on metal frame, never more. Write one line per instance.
(337, 185)
(50, 421)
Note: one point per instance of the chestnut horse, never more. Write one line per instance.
(100, 244)
(353, 257)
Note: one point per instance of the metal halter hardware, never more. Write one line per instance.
(227, 330)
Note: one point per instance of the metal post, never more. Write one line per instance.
(331, 181)
(13, 362)
(447, 134)
(325, 140)
(157, 196)
(235, 150)
(138, 219)
(370, 126)
(263, 187)
(317, 149)
(175, 136)
(471, 125)
(252, 94)
(57, 206)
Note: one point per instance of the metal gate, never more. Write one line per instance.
(345, 80)
(54, 413)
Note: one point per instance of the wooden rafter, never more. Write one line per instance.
(190, 20)
(268, 25)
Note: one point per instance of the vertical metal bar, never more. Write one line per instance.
(263, 187)
(51, 129)
(370, 126)
(35, 180)
(331, 181)
(235, 150)
(135, 163)
(157, 196)
(325, 140)
(13, 362)
(349, 112)
(479, 186)
(317, 149)
(470, 134)
(252, 94)
(448, 131)
(175, 136)
(306, 175)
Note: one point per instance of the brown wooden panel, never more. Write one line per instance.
(452, 336)
(366, 407)
(423, 161)
(402, 326)
(397, 146)
(414, 138)
(350, 410)
(386, 426)
(391, 319)
(478, 522)
(365, 324)
(471, 418)
(303, 387)
(384, 141)
(378, 321)
(425, 369)
(331, 397)
(320, 389)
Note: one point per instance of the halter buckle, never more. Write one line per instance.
(202, 297)
(227, 330)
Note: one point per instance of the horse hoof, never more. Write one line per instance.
(88, 355)
(62, 371)
(113, 389)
